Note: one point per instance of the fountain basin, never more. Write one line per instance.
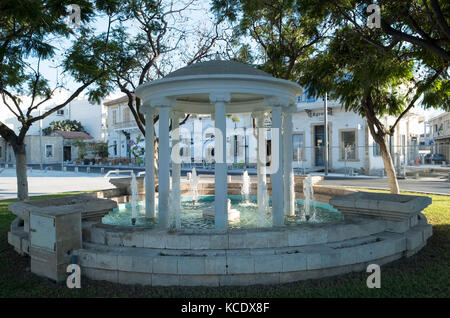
(200, 215)
(151, 256)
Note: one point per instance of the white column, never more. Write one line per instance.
(261, 153)
(277, 168)
(220, 173)
(149, 163)
(163, 163)
(289, 200)
(176, 168)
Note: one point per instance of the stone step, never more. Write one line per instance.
(221, 267)
(351, 227)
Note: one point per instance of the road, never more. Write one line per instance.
(50, 182)
(429, 185)
(40, 182)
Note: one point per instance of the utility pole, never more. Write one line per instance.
(40, 140)
(325, 119)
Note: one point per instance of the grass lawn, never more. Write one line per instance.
(426, 274)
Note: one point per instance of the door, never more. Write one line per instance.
(319, 138)
(67, 156)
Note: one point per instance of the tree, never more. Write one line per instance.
(63, 125)
(101, 149)
(137, 149)
(28, 32)
(374, 72)
(284, 37)
(410, 49)
(82, 149)
(370, 82)
(419, 26)
(149, 39)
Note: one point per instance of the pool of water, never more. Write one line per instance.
(192, 214)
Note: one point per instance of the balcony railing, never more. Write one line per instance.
(124, 124)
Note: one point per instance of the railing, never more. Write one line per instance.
(124, 124)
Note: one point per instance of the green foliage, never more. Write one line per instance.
(82, 149)
(25, 31)
(353, 70)
(285, 38)
(64, 125)
(136, 150)
(101, 149)
(415, 32)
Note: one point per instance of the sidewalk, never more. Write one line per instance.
(51, 182)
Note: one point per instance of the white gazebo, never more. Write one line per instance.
(219, 88)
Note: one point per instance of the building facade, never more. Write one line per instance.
(440, 134)
(55, 148)
(351, 146)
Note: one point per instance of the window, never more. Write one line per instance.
(60, 112)
(48, 151)
(126, 115)
(376, 149)
(297, 146)
(348, 145)
(114, 116)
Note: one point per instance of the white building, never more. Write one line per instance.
(348, 129)
(440, 134)
(121, 127)
(345, 129)
(90, 116)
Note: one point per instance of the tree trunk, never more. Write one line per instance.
(21, 171)
(389, 167)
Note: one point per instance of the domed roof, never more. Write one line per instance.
(217, 67)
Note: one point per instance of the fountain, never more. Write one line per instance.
(134, 194)
(308, 192)
(245, 189)
(263, 208)
(193, 182)
(234, 215)
(175, 209)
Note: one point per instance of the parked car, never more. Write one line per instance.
(434, 158)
